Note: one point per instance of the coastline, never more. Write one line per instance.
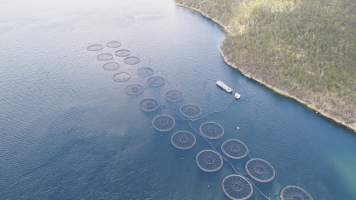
(203, 14)
(351, 127)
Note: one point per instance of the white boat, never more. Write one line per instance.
(223, 86)
(237, 95)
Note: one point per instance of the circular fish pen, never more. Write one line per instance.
(237, 187)
(111, 66)
(163, 123)
(211, 130)
(209, 161)
(156, 81)
(149, 105)
(122, 53)
(260, 170)
(293, 192)
(113, 44)
(95, 47)
(104, 57)
(183, 140)
(134, 89)
(190, 111)
(144, 72)
(234, 149)
(174, 96)
(121, 77)
(132, 60)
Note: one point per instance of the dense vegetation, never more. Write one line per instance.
(305, 48)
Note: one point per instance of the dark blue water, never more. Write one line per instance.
(68, 131)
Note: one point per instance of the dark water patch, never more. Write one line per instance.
(211, 130)
(163, 123)
(95, 47)
(81, 164)
(113, 44)
(144, 72)
(292, 192)
(260, 170)
(132, 60)
(134, 90)
(149, 105)
(121, 77)
(183, 140)
(234, 149)
(237, 187)
(174, 96)
(190, 111)
(104, 57)
(122, 53)
(156, 81)
(209, 161)
(111, 66)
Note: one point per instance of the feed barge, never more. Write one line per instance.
(223, 86)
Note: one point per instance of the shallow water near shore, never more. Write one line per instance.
(69, 131)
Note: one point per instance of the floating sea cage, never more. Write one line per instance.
(260, 170)
(156, 81)
(291, 192)
(234, 149)
(122, 53)
(132, 60)
(104, 57)
(209, 161)
(149, 105)
(190, 111)
(183, 140)
(211, 130)
(163, 123)
(121, 77)
(95, 47)
(144, 72)
(174, 96)
(234, 186)
(237, 187)
(113, 44)
(111, 66)
(134, 89)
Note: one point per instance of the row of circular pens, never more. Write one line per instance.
(235, 186)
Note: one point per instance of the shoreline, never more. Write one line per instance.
(263, 83)
(203, 14)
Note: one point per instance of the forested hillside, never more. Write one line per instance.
(304, 48)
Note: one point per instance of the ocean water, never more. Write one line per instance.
(68, 131)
